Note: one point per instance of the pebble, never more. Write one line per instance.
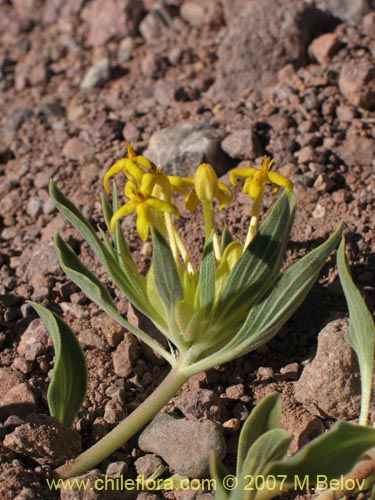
(97, 74)
(110, 329)
(357, 83)
(147, 465)
(181, 149)
(265, 373)
(114, 412)
(242, 145)
(34, 341)
(324, 47)
(329, 386)
(233, 424)
(200, 438)
(154, 24)
(125, 50)
(44, 440)
(357, 150)
(198, 13)
(290, 371)
(16, 396)
(319, 212)
(116, 469)
(78, 150)
(199, 404)
(125, 356)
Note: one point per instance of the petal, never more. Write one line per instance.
(131, 190)
(179, 184)
(281, 181)
(143, 221)
(144, 162)
(119, 166)
(133, 172)
(192, 201)
(224, 195)
(162, 206)
(125, 210)
(148, 184)
(241, 172)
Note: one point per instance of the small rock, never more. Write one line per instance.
(200, 438)
(78, 150)
(125, 356)
(324, 47)
(155, 23)
(147, 465)
(22, 365)
(233, 424)
(98, 74)
(357, 150)
(112, 19)
(235, 391)
(131, 132)
(116, 469)
(125, 50)
(89, 338)
(152, 65)
(290, 371)
(368, 24)
(45, 440)
(181, 149)
(265, 373)
(323, 183)
(114, 412)
(242, 145)
(198, 14)
(199, 404)
(319, 212)
(330, 385)
(357, 83)
(111, 330)
(92, 480)
(18, 400)
(34, 340)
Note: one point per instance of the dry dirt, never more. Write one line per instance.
(304, 92)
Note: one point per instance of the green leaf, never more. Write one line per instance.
(218, 473)
(260, 263)
(275, 307)
(127, 279)
(207, 278)
(226, 238)
(167, 279)
(68, 385)
(331, 454)
(97, 292)
(361, 331)
(264, 417)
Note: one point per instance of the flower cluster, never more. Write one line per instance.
(150, 194)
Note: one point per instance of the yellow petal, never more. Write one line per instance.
(192, 201)
(241, 172)
(119, 166)
(281, 181)
(125, 210)
(180, 184)
(162, 206)
(143, 221)
(224, 195)
(148, 184)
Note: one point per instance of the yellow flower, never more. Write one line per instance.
(206, 188)
(256, 179)
(133, 167)
(144, 204)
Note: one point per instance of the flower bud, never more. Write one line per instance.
(205, 182)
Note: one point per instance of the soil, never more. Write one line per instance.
(167, 63)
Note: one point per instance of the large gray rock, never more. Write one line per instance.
(171, 439)
(348, 10)
(330, 385)
(181, 149)
(263, 38)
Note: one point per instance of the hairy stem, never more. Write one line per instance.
(127, 428)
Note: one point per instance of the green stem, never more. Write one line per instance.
(128, 427)
(209, 227)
